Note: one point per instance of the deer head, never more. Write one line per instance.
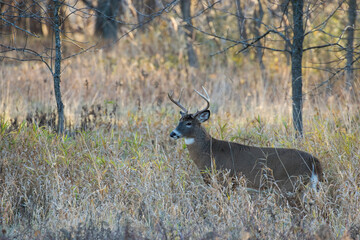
(189, 124)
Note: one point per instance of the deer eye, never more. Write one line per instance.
(188, 124)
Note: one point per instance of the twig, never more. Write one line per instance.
(330, 78)
(17, 27)
(322, 46)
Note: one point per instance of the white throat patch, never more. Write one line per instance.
(189, 141)
(314, 181)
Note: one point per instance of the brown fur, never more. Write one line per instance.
(284, 166)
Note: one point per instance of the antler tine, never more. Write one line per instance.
(207, 99)
(177, 103)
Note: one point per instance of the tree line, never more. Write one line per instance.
(291, 27)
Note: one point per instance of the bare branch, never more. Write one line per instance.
(89, 4)
(137, 26)
(204, 10)
(217, 36)
(41, 58)
(322, 46)
(224, 50)
(17, 27)
(323, 24)
(258, 39)
(330, 78)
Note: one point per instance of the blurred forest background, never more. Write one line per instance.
(100, 71)
(131, 53)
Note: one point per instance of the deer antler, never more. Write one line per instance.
(207, 99)
(178, 101)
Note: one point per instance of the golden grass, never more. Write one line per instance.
(133, 175)
(124, 177)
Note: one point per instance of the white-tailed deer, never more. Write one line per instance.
(284, 166)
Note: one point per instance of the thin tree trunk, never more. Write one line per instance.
(258, 15)
(56, 75)
(186, 12)
(140, 10)
(144, 10)
(296, 65)
(106, 24)
(284, 7)
(210, 25)
(4, 28)
(241, 20)
(35, 25)
(350, 44)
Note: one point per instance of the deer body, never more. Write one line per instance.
(284, 166)
(252, 162)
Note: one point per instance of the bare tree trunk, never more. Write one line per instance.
(284, 8)
(106, 24)
(186, 12)
(28, 14)
(145, 8)
(350, 44)
(4, 28)
(258, 15)
(241, 20)
(35, 23)
(296, 65)
(62, 18)
(140, 10)
(56, 74)
(223, 58)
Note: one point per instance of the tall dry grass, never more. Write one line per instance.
(133, 182)
(120, 176)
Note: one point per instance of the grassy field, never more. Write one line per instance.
(116, 174)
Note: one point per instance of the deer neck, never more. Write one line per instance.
(199, 149)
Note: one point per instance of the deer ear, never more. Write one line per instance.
(204, 116)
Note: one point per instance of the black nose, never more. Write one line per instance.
(174, 135)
